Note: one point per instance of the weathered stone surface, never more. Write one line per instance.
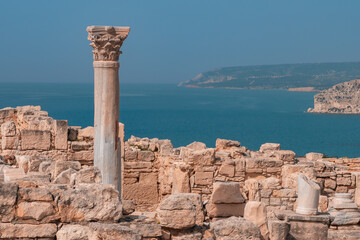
(345, 218)
(8, 195)
(227, 168)
(269, 147)
(88, 175)
(100, 231)
(204, 178)
(197, 201)
(226, 192)
(93, 202)
(141, 193)
(252, 187)
(314, 156)
(65, 176)
(344, 235)
(285, 155)
(18, 231)
(323, 204)
(146, 156)
(9, 143)
(80, 146)
(197, 146)
(61, 166)
(35, 210)
(72, 232)
(177, 211)
(308, 230)
(235, 228)
(256, 213)
(278, 230)
(35, 139)
(180, 181)
(35, 194)
(225, 210)
(86, 133)
(8, 129)
(61, 134)
(226, 144)
(23, 162)
(128, 207)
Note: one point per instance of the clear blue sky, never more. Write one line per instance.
(173, 41)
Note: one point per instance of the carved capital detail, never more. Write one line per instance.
(107, 41)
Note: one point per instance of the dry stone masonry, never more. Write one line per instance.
(52, 190)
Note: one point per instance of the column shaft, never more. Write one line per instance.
(106, 122)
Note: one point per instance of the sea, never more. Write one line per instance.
(185, 115)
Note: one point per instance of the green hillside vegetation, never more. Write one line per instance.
(282, 76)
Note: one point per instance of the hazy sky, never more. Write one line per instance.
(172, 41)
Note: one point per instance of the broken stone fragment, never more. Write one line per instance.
(223, 144)
(112, 232)
(269, 147)
(235, 228)
(8, 129)
(61, 166)
(226, 192)
(177, 212)
(256, 213)
(88, 175)
(90, 202)
(72, 232)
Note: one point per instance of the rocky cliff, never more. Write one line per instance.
(342, 98)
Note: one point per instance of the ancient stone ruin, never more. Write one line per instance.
(67, 182)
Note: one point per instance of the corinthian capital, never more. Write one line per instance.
(107, 41)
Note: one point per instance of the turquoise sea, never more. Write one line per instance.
(184, 115)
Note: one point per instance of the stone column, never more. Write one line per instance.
(107, 42)
(308, 196)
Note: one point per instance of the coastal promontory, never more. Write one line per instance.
(342, 98)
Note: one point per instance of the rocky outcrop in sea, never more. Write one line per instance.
(343, 98)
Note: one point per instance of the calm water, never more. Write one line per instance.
(184, 115)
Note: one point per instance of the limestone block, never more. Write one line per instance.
(343, 201)
(308, 196)
(239, 167)
(227, 168)
(226, 192)
(290, 174)
(253, 188)
(225, 210)
(61, 166)
(204, 178)
(86, 133)
(128, 207)
(343, 181)
(83, 156)
(88, 175)
(141, 193)
(11, 174)
(61, 134)
(150, 230)
(35, 194)
(235, 228)
(138, 165)
(256, 213)
(285, 155)
(80, 146)
(201, 157)
(7, 114)
(131, 154)
(278, 230)
(73, 133)
(35, 140)
(308, 230)
(345, 218)
(223, 144)
(23, 161)
(314, 156)
(65, 177)
(197, 146)
(47, 166)
(18, 231)
(9, 143)
(112, 232)
(329, 183)
(8, 196)
(177, 212)
(72, 232)
(285, 193)
(180, 181)
(35, 210)
(147, 156)
(8, 129)
(323, 204)
(269, 147)
(195, 198)
(90, 202)
(270, 183)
